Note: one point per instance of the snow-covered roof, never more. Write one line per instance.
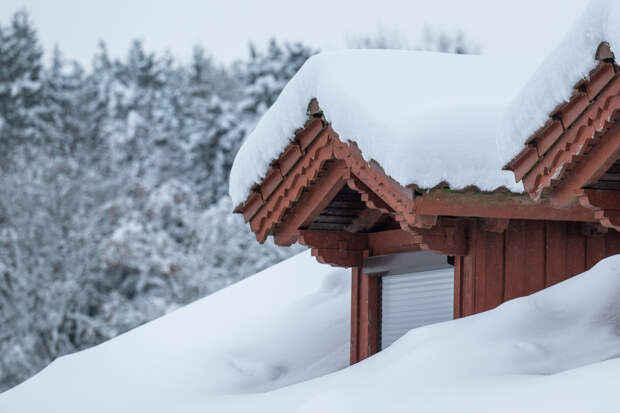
(427, 118)
(553, 82)
(431, 118)
(554, 350)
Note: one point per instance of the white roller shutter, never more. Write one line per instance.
(413, 300)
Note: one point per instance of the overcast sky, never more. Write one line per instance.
(224, 27)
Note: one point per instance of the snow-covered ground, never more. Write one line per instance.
(242, 348)
(286, 324)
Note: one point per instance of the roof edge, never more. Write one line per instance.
(563, 117)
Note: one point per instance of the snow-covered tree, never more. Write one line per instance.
(20, 87)
(113, 188)
(230, 247)
(266, 72)
(431, 40)
(447, 42)
(114, 210)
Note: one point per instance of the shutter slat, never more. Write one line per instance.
(414, 300)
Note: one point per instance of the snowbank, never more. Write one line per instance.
(553, 82)
(425, 117)
(286, 324)
(556, 350)
(552, 351)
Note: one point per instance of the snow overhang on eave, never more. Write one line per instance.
(577, 144)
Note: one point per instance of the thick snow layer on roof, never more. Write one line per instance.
(557, 350)
(425, 117)
(553, 82)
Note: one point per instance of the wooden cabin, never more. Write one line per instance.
(420, 255)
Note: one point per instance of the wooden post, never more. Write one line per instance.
(365, 315)
(355, 315)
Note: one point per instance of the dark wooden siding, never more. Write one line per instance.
(610, 179)
(527, 257)
(341, 212)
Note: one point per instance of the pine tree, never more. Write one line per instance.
(114, 209)
(266, 73)
(64, 114)
(208, 119)
(20, 87)
(262, 78)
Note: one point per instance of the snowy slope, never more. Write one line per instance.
(556, 350)
(425, 117)
(552, 351)
(553, 81)
(283, 325)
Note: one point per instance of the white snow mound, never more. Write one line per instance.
(425, 117)
(286, 324)
(556, 350)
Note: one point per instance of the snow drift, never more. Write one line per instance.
(556, 350)
(283, 325)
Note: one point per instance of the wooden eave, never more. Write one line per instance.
(578, 143)
(317, 164)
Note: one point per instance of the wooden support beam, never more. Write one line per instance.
(337, 248)
(499, 206)
(393, 241)
(336, 240)
(449, 239)
(338, 258)
(346, 249)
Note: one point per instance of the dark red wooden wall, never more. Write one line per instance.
(527, 257)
